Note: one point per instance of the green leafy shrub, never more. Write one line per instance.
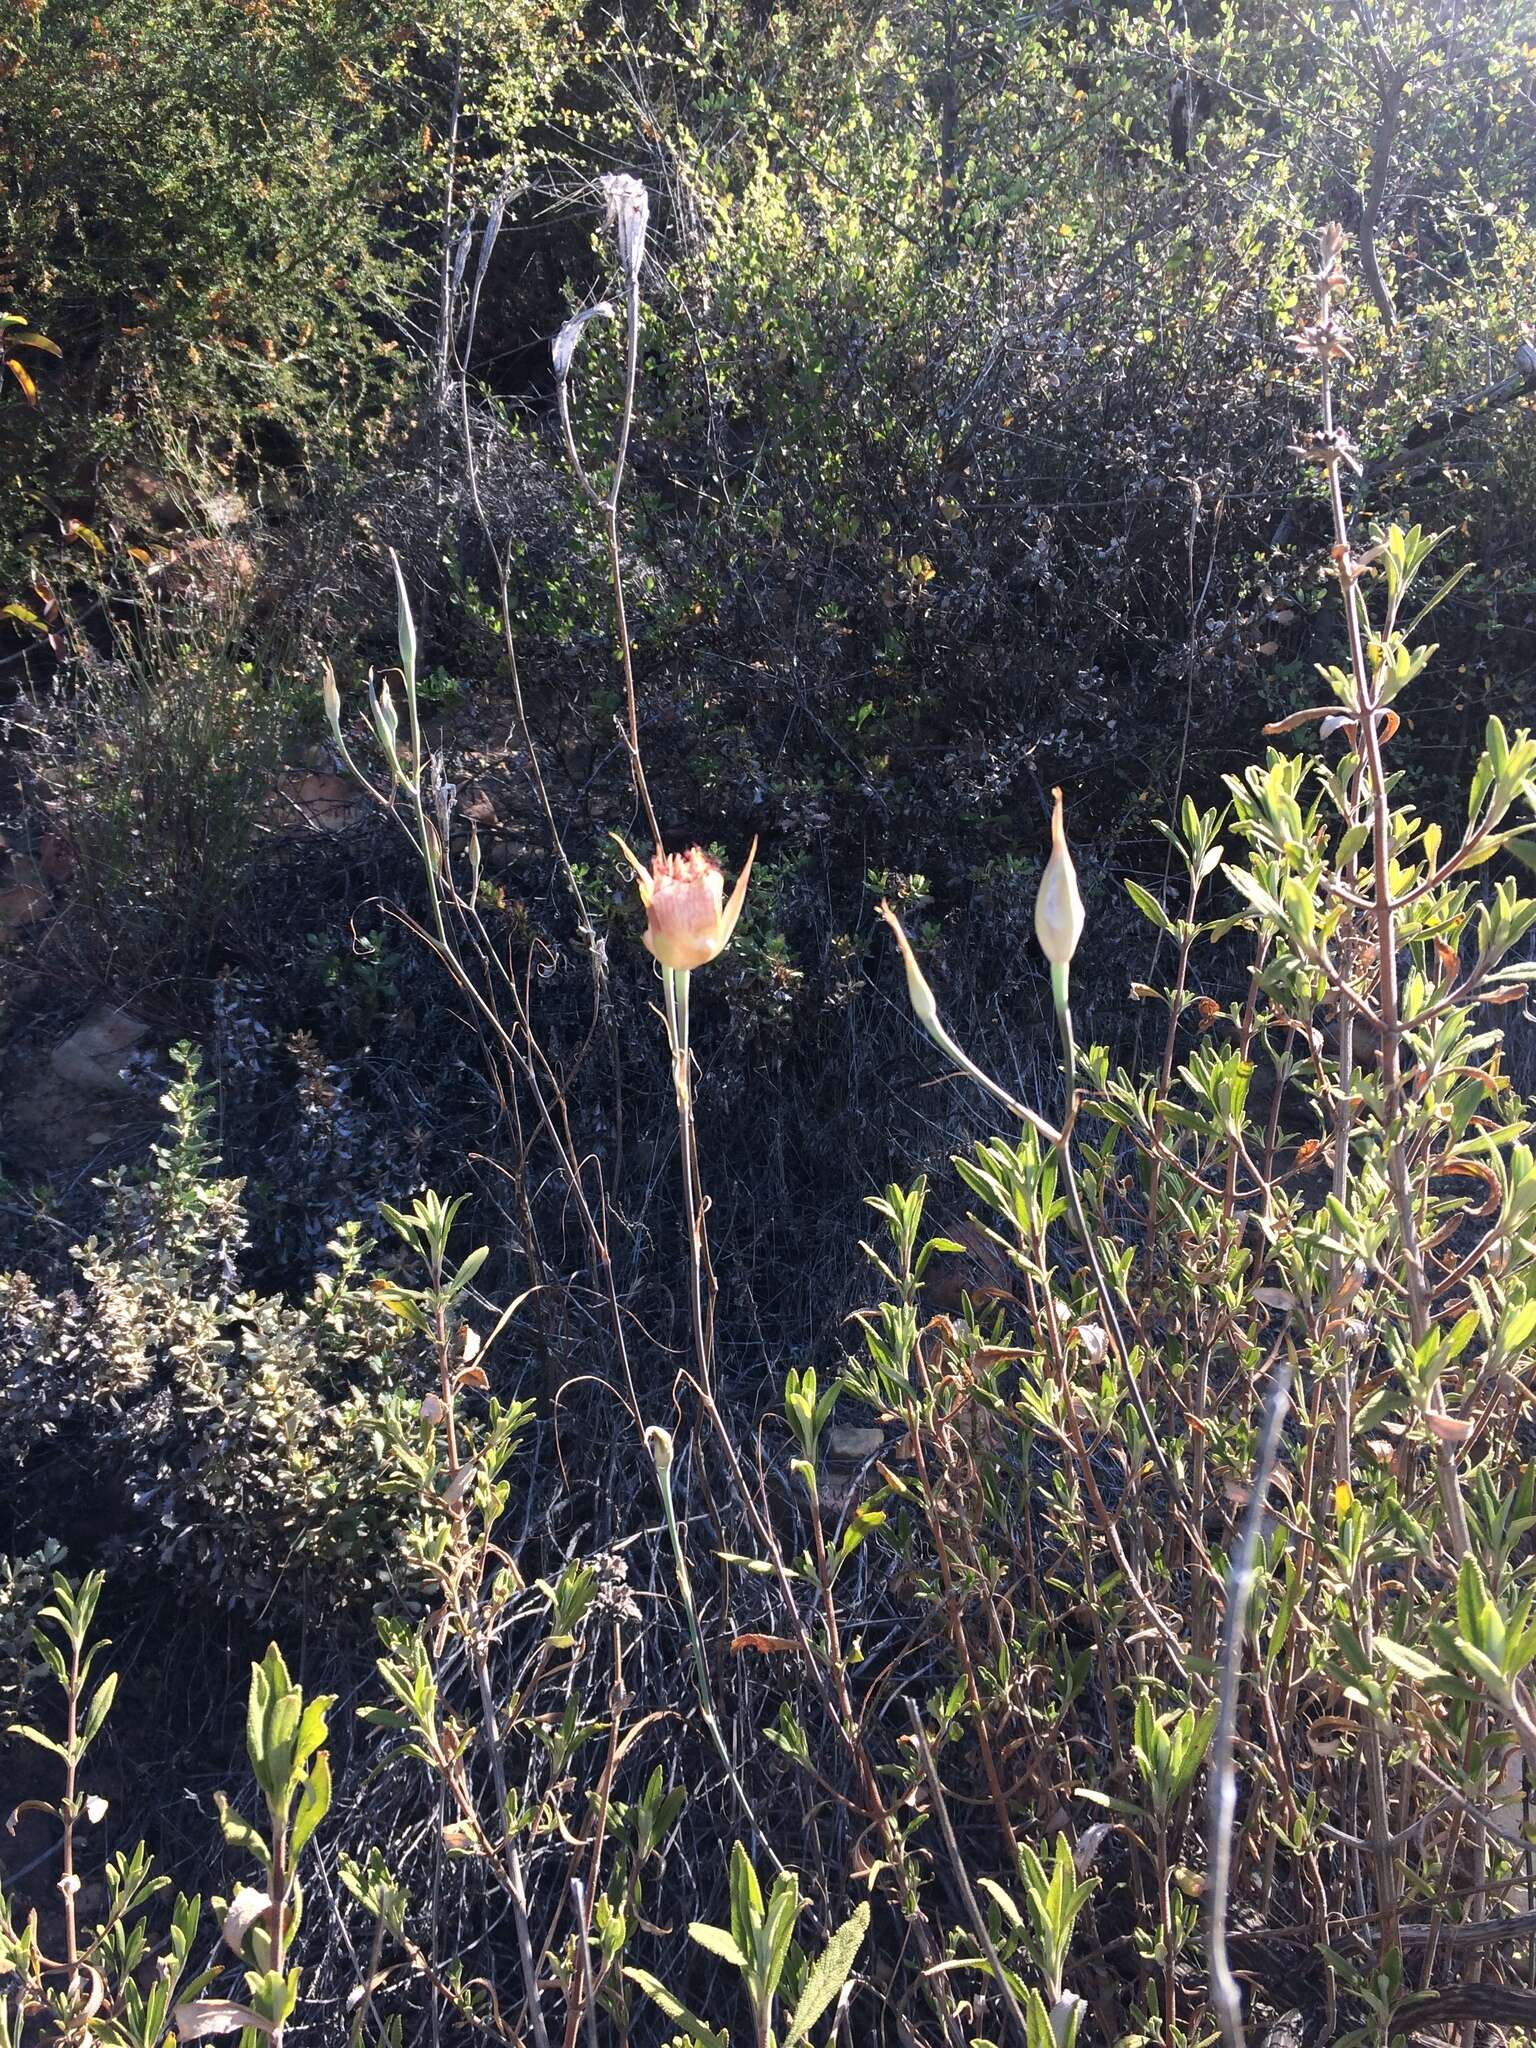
(129, 1978)
(230, 1434)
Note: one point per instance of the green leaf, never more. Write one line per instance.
(1005, 1905)
(675, 2009)
(828, 1974)
(1148, 905)
(468, 1270)
(36, 1735)
(312, 1728)
(719, 1942)
(746, 1900)
(1412, 1663)
(238, 1831)
(783, 1911)
(314, 1803)
(97, 1711)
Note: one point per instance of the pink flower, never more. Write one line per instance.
(688, 922)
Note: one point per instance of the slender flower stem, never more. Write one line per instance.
(675, 981)
(926, 1010)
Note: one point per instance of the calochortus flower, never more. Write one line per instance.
(629, 209)
(688, 923)
(1059, 905)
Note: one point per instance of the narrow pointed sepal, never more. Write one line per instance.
(733, 909)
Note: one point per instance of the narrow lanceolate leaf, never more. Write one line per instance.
(1412, 1663)
(1005, 1905)
(36, 1735)
(100, 1707)
(675, 2009)
(828, 1975)
(746, 1899)
(312, 1727)
(23, 378)
(1148, 905)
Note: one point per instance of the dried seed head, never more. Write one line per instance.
(1093, 1339)
(245, 1909)
(563, 348)
(629, 210)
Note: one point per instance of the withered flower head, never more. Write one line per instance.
(629, 209)
(563, 347)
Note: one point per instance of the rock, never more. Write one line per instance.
(23, 904)
(51, 1128)
(853, 1446)
(56, 857)
(92, 1057)
(24, 895)
(846, 1453)
(326, 803)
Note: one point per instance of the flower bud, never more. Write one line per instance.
(405, 624)
(330, 697)
(924, 1003)
(658, 1442)
(1059, 905)
(386, 726)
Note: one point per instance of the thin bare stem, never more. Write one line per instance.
(1223, 1770)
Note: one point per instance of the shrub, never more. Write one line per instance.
(157, 770)
(220, 1433)
(131, 1976)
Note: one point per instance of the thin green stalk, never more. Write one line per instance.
(675, 982)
